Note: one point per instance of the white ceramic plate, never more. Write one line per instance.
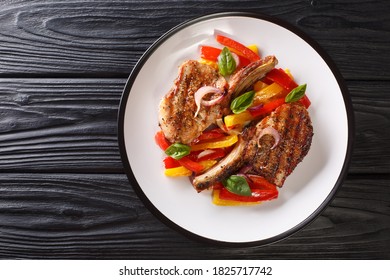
(306, 192)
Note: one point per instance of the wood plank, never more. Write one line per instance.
(59, 39)
(66, 125)
(99, 216)
(60, 125)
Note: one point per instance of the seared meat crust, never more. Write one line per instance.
(177, 108)
(293, 124)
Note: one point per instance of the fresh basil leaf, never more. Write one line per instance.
(241, 103)
(226, 62)
(237, 185)
(177, 150)
(296, 94)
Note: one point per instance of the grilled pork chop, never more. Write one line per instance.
(177, 108)
(259, 153)
(177, 112)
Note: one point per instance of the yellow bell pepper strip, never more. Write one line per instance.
(254, 49)
(209, 62)
(177, 171)
(268, 93)
(259, 85)
(217, 200)
(237, 119)
(182, 171)
(219, 143)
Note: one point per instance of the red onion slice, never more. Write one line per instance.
(205, 153)
(201, 92)
(271, 131)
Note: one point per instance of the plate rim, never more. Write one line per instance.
(347, 104)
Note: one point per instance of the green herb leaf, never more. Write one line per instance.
(237, 185)
(241, 103)
(177, 150)
(226, 62)
(296, 94)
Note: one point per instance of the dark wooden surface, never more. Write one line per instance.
(63, 191)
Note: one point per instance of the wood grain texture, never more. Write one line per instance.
(63, 193)
(106, 38)
(99, 216)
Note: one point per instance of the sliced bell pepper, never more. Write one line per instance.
(210, 135)
(257, 195)
(209, 62)
(219, 143)
(254, 49)
(237, 119)
(177, 171)
(269, 92)
(259, 182)
(278, 75)
(217, 200)
(267, 108)
(170, 162)
(190, 164)
(259, 85)
(183, 171)
(305, 101)
(161, 141)
(286, 80)
(245, 51)
(214, 154)
(211, 54)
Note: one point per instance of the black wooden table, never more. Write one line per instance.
(63, 191)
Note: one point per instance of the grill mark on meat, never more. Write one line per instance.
(177, 108)
(293, 123)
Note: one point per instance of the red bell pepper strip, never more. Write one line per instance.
(266, 108)
(190, 164)
(257, 195)
(212, 53)
(170, 163)
(210, 135)
(246, 52)
(280, 77)
(217, 186)
(305, 101)
(209, 53)
(161, 141)
(259, 182)
(215, 154)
